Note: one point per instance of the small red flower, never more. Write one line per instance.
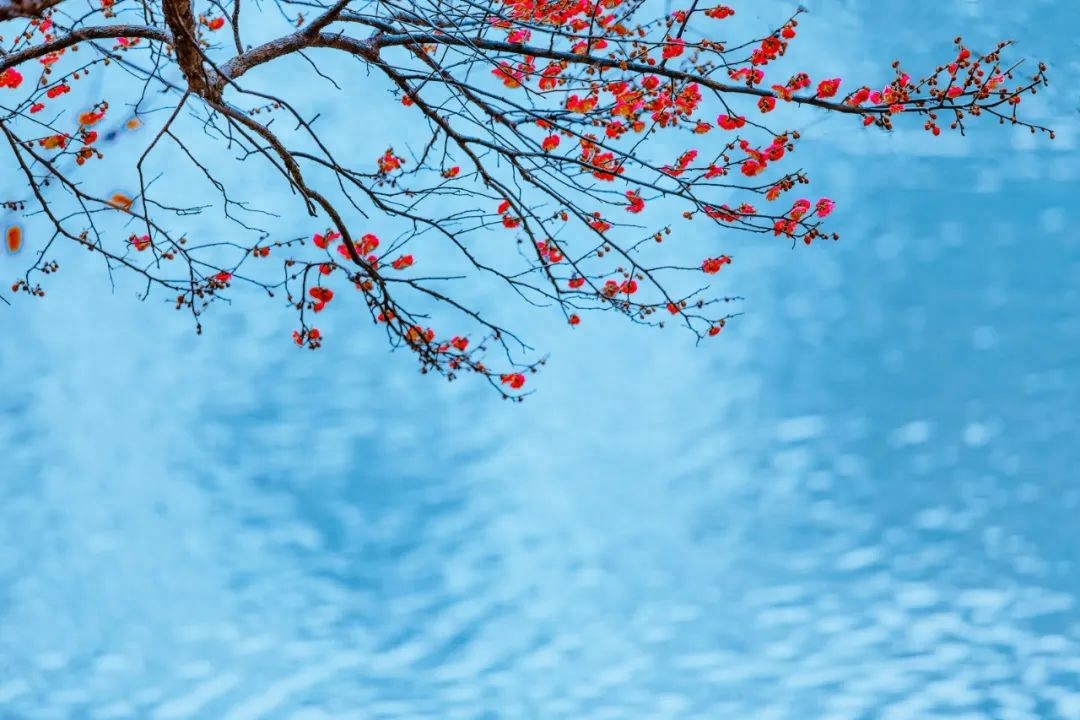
(321, 241)
(719, 12)
(599, 224)
(368, 243)
(322, 296)
(89, 118)
(713, 265)
(514, 380)
(824, 207)
(750, 168)
(510, 77)
(402, 262)
(53, 141)
(728, 122)
(390, 162)
(11, 78)
(674, 48)
(120, 201)
(799, 208)
(828, 88)
(216, 24)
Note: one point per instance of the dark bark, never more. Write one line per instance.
(180, 18)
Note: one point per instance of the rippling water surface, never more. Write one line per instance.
(860, 503)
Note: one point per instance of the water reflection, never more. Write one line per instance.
(861, 508)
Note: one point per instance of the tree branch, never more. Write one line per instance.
(180, 17)
(25, 8)
(97, 32)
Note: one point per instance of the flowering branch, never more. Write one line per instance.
(540, 118)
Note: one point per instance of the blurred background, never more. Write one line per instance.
(860, 501)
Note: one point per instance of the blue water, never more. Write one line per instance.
(859, 503)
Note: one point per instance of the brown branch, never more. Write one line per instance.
(98, 32)
(25, 8)
(508, 164)
(180, 17)
(369, 48)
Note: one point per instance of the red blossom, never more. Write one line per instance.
(11, 78)
(719, 12)
(389, 162)
(514, 380)
(322, 241)
(728, 122)
(322, 297)
(57, 90)
(828, 88)
(91, 117)
(713, 265)
(673, 48)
